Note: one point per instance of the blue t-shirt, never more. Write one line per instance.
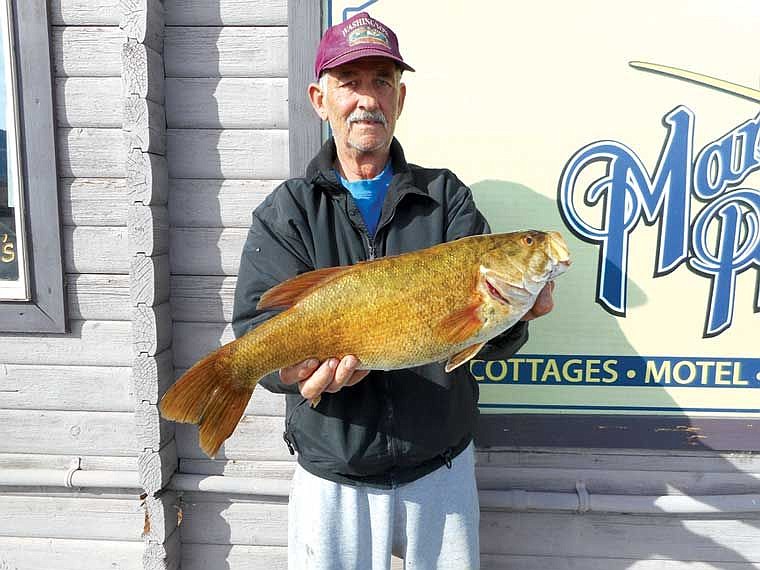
(369, 195)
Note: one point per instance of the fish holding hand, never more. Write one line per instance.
(439, 304)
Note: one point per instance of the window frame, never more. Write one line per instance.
(305, 132)
(46, 312)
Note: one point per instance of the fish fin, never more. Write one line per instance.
(289, 292)
(463, 356)
(460, 325)
(210, 395)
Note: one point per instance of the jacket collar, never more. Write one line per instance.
(322, 174)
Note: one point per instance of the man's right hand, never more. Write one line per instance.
(330, 376)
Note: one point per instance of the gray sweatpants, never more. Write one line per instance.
(431, 523)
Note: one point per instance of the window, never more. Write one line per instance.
(31, 277)
(13, 269)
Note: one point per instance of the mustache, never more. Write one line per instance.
(362, 115)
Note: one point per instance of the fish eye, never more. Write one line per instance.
(527, 240)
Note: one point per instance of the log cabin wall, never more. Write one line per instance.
(79, 434)
(173, 125)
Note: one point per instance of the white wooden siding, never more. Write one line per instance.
(89, 249)
(206, 251)
(212, 153)
(68, 554)
(195, 340)
(93, 201)
(226, 52)
(213, 520)
(98, 297)
(226, 13)
(69, 396)
(204, 556)
(216, 203)
(87, 51)
(202, 298)
(57, 461)
(91, 153)
(73, 433)
(266, 469)
(502, 562)
(84, 12)
(90, 343)
(77, 97)
(70, 388)
(53, 517)
(235, 102)
(620, 536)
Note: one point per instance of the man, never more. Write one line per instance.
(385, 459)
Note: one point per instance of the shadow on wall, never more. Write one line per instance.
(509, 206)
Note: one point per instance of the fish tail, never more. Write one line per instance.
(211, 394)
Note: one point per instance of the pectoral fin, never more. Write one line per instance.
(463, 356)
(461, 325)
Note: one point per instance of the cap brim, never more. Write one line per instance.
(362, 53)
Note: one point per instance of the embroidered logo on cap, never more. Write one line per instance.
(367, 35)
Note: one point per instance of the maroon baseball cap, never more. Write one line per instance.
(357, 37)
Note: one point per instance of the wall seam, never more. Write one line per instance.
(144, 127)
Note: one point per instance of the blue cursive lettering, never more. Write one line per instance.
(626, 194)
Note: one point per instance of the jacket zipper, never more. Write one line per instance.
(370, 246)
(391, 436)
(393, 447)
(289, 441)
(371, 255)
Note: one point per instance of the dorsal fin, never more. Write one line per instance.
(289, 292)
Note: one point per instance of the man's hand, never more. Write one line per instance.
(314, 377)
(543, 305)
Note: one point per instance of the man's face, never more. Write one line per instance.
(364, 99)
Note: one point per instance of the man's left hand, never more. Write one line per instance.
(543, 305)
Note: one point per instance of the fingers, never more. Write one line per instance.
(344, 374)
(544, 303)
(330, 376)
(322, 377)
(298, 372)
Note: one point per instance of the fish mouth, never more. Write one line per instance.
(558, 268)
(559, 254)
(558, 250)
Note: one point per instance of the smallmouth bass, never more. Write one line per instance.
(442, 303)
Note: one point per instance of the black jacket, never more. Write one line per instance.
(392, 427)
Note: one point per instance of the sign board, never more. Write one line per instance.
(633, 130)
